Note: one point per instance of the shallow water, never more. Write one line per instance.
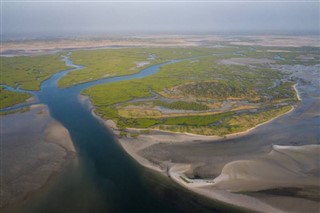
(299, 127)
(104, 178)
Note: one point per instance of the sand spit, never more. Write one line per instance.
(34, 147)
(134, 146)
(297, 92)
(221, 188)
(283, 167)
(255, 175)
(45, 47)
(56, 133)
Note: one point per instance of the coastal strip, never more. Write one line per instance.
(134, 143)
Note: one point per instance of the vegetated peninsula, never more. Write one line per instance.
(183, 115)
(210, 92)
(165, 120)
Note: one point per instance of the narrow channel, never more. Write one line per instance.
(103, 178)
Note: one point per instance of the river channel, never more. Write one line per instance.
(103, 178)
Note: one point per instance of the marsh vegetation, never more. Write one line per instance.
(200, 95)
(212, 91)
(26, 72)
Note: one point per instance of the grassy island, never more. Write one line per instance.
(29, 71)
(213, 91)
(215, 94)
(26, 72)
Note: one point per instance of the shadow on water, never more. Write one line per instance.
(103, 178)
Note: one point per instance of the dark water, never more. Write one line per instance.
(103, 178)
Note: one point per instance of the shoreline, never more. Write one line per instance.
(42, 150)
(297, 92)
(132, 145)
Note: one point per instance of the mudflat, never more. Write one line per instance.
(33, 148)
(271, 168)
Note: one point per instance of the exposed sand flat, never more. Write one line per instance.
(33, 148)
(10, 48)
(284, 166)
(279, 41)
(133, 146)
(29, 47)
(41, 47)
(176, 173)
(164, 150)
(297, 92)
(245, 169)
(56, 133)
(290, 204)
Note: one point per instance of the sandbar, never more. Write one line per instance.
(34, 147)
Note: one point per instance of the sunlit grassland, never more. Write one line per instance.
(29, 71)
(188, 72)
(225, 125)
(8, 98)
(287, 55)
(199, 81)
(116, 62)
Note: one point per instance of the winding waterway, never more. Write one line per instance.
(103, 178)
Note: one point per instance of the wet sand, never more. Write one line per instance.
(270, 168)
(196, 158)
(34, 147)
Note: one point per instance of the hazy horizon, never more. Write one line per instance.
(70, 19)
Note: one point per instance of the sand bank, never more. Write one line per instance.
(34, 148)
(134, 146)
(297, 92)
(283, 167)
(237, 176)
(217, 188)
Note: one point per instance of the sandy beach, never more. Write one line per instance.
(237, 175)
(35, 147)
(246, 179)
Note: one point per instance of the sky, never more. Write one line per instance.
(62, 18)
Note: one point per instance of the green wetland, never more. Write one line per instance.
(208, 92)
(195, 95)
